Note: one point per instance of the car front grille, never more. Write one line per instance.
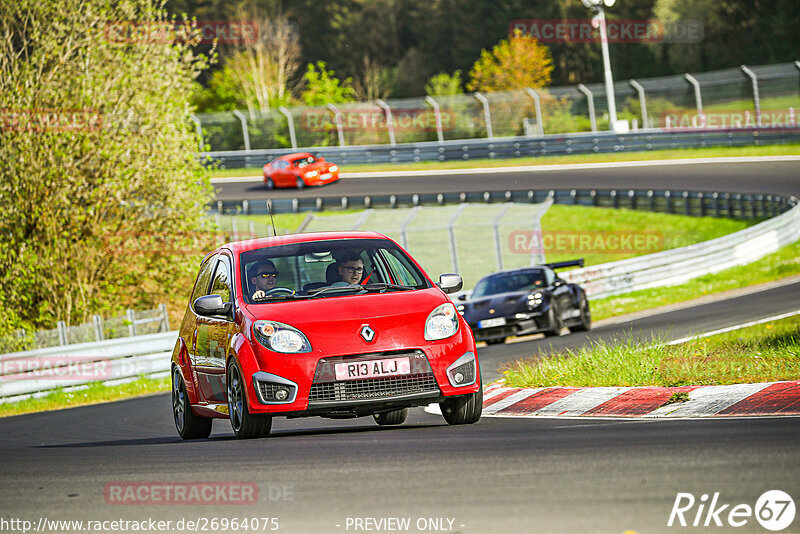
(373, 388)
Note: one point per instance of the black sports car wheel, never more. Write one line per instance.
(395, 417)
(463, 410)
(269, 184)
(245, 425)
(189, 425)
(496, 341)
(300, 183)
(555, 324)
(586, 315)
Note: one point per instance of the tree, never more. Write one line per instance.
(100, 185)
(444, 84)
(516, 63)
(323, 87)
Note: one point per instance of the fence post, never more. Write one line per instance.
(98, 327)
(756, 99)
(245, 132)
(537, 103)
(165, 315)
(452, 232)
(590, 99)
(62, 332)
(404, 228)
(698, 97)
(199, 130)
(496, 224)
(131, 316)
(389, 120)
(643, 104)
(438, 115)
(290, 121)
(487, 116)
(337, 116)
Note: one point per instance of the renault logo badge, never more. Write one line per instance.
(367, 333)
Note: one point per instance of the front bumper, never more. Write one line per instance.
(514, 326)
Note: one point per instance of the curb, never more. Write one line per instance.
(737, 400)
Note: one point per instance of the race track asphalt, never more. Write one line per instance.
(500, 475)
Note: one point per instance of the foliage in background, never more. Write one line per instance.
(444, 84)
(323, 87)
(514, 63)
(97, 161)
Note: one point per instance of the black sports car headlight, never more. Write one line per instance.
(535, 299)
(280, 337)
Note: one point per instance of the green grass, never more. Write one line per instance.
(781, 264)
(762, 353)
(771, 150)
(95, 393)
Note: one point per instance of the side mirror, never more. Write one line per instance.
(462, 297)
(450, 283)
(321, 158)
(558, 283)
(211, 305)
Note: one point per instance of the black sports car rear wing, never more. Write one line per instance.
(563, 264)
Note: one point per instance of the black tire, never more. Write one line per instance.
(189, 425)
(300, 183)
(555, 324)
(497, 341)
(586, 315)
(464, 409)
(244, 424)
(269, 184)
(395, 417)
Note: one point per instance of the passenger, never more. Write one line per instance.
(264, 277)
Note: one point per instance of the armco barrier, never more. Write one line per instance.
(682, 264)
(517, 147)
(34, 371)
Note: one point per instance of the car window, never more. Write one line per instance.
(306, 267)
(510, 282)
(222, 281)
(204, 278)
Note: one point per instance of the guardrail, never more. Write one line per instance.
(682, 264)
(517, 147)
(24, 374)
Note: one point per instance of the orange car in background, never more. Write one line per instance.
(299, 170)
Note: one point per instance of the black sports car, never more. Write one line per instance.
(526, 301)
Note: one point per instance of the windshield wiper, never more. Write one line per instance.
(382, 286)
(336, 290)
(279, 296)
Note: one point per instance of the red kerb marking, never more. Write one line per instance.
(782, 398)
(637, 401)
(538, 401)
(499, 397)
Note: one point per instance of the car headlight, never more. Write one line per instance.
(442, 322)
(280, 337)
(534, 299)
(333, 168)
(311, 174)
(460, 309)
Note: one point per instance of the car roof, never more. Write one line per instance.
(237, 247)
(517, 270)
(293, 155)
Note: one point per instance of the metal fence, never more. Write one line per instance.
(133, 323)
(468, 239)
(745, 97)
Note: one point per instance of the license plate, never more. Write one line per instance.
(373, 368)
(325, 176)
(488, 323)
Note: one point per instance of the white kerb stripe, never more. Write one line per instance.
(580, 402)
(511, 399)
(709, 400)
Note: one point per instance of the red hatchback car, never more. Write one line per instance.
(299, 170)
(336, 325)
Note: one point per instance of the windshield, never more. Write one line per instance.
(509, 282)
(324, 269)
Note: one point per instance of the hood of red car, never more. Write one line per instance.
(333, 324)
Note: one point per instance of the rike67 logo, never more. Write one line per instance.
(774, 510)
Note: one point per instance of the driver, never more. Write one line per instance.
(351, 267)
(264, 278)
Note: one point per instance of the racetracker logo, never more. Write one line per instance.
(618, 31)
(576, 242)
(181, 493)
(56, 368)
(234, 32)
(682, 120)
(369, 119)
(774, 510)
(50, 120)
